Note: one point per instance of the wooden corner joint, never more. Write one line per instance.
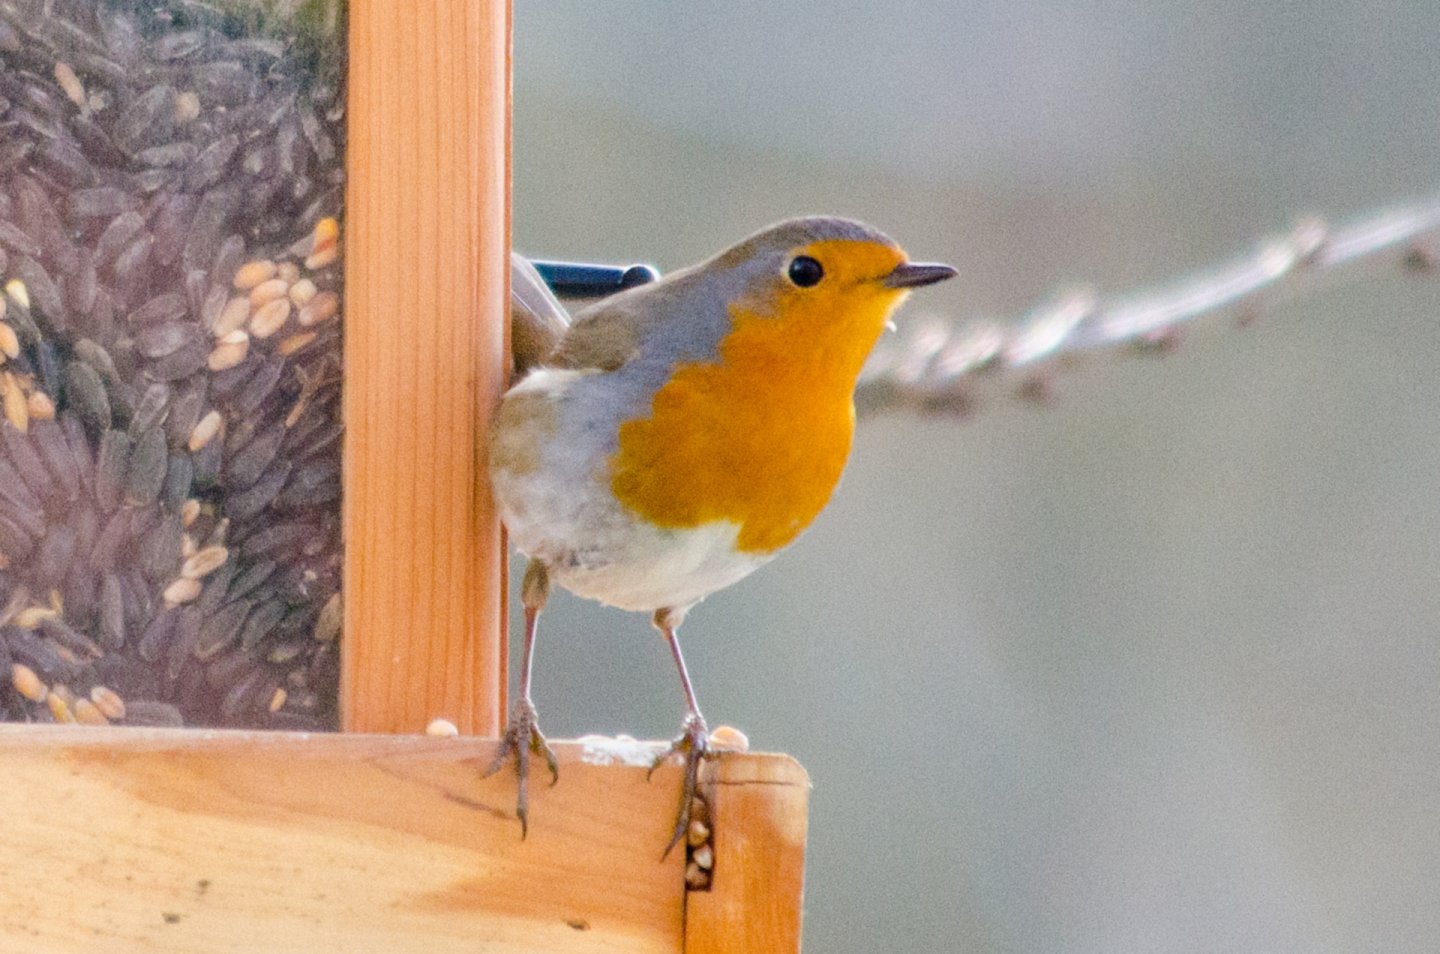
(750, 898)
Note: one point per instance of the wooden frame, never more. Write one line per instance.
(206, 841)
(237, 842)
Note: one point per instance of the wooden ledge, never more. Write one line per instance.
(209, 841)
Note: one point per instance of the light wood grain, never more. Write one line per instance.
(425, 299)
(120, 840)
(758, 809)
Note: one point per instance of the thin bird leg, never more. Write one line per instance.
(522, 732)
(694, 738)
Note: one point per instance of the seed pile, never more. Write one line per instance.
(171, 181)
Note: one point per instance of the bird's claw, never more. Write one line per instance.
(693, 743)
(523, 738)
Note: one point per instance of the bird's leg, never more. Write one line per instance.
(522, 732)
(694, 735)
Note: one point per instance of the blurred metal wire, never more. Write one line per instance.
(945, 366)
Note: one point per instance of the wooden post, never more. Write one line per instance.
(427, 237)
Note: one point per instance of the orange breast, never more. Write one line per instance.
(758, 438)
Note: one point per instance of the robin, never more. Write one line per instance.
(684, 432)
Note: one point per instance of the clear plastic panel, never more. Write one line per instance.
(171, 193)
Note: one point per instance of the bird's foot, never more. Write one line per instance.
(693, 743)
(523, 738)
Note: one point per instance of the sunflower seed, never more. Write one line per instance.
(222, 629)
(260, 386)
(148, 461)
(152, 713)
(159, 556)
(54, 452)
(103, 201)
(183, 362)
(111, 622)
(28, 464)
(244, 504)
(42, 294)
(66, 635)
(252, 578)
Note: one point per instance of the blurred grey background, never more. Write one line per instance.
(1154, 668)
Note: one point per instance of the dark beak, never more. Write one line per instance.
(915, 274)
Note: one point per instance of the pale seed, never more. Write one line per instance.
(322, 307)
(232, 317)
(697, 834)
(40, 406)
(30, 617)
(704, 856)
(9, 341)
(27, 683)
(16, 289)
(289, 272)
(268, 291)
(59, 709)
(253, 273)
(88, 713)
(188, 546)
(327, 625)
(231, 350)
(727, 738)
(70, 83)
(696, 877)
(278, 699)
(189, 511)
(205, 431)
(300, 293)
(327, 232)
(270, 318)
(17, 411)
(108, 701)
(181, 591)
(295, 342)
(441, 729)
(187, 107)
(322, 257)
(204, 562)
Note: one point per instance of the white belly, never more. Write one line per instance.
(558, 508)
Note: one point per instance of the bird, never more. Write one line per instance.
(684, 432)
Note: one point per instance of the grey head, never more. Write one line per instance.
(685, 314)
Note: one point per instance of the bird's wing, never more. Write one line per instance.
(609, 333)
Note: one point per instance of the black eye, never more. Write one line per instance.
(805, 271)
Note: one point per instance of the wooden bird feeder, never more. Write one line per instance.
(380, 837)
